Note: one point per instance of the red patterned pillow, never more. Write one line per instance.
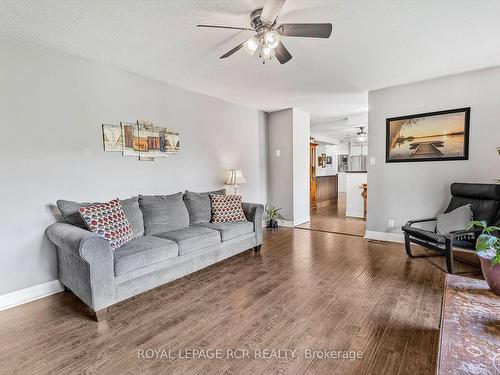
(108, 221)
(226, 208)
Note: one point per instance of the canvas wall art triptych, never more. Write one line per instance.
(141, 139)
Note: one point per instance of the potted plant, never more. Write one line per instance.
(273, 216)
(488, 251)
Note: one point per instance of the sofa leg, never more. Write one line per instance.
(449, 257)
(100, 315)
(257, 248)
(408, 245)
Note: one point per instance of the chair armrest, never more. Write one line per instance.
(459, 233)
(411, 222)
(254, 213)
(78, 242)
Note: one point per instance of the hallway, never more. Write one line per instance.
(330, 216)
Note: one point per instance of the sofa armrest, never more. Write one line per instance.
(77, 241)
(93, 276)
(254, 212)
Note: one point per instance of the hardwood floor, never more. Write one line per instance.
(304, 290)
(329, 216)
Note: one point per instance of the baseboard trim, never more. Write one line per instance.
(384, 236)
(358, 215)
(20, 297)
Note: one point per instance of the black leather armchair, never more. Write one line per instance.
(485, 201)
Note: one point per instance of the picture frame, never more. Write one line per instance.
(431, 136)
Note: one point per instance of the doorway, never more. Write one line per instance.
(337, 203)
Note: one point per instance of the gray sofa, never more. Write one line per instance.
(173, 236)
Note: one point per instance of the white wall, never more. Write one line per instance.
(52, 108)
(354, 205)
(403, 191)
(329, 169)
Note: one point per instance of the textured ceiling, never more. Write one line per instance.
(375, 44)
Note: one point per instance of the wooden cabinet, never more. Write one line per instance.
(312, 174)
(326, 188)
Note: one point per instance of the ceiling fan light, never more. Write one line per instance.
(267, 53)
(251, 45)
(271, 39)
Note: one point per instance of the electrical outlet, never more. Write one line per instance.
(372, 160)
(278, 152)
(391, 223)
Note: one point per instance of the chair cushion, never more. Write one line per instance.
(198, 205)
(142, 252)
(484, 198)
(71, 214)
(163, 213)
(192, 238)
(423, 234)
(454, 220)
(230, 230)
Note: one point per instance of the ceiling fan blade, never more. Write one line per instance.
(235, 49)
(226, 27)
(271, 11)
(309, 30)
(282, 54)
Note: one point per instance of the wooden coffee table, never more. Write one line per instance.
(470, 328)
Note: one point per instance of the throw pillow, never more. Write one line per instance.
(108, 220)
(454, 220)
(70, 211)
(198, 205)
(226, 208)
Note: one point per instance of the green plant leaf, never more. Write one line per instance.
(485, 242)
(495, 260)
(491, 229)
(477, 223)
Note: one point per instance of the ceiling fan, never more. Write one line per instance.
(362, 135)
(267, 40)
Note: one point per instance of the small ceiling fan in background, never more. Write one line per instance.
(362, 135)
(267, 40)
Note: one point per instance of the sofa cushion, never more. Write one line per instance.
(227, 208)
(108, 221)
(230, 230)
(163, 213)
(198, 205)
(192, 238)
(71, 214)
(142, 252)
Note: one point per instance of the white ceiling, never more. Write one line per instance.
(374, 44)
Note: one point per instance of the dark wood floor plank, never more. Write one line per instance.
(304, 290)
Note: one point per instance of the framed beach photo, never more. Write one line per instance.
(432, 136)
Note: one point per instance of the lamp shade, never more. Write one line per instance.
(235, 177)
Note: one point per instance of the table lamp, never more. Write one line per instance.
(234, 178)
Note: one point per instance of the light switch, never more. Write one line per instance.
(278, 152)
(372, 160)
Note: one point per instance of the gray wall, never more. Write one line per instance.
(402, 191)
(281, 167)
(52, 108)
(289, 131)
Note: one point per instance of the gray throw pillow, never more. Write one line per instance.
(71, 214)
(454, 220)
(163, 213)
(199, 206)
